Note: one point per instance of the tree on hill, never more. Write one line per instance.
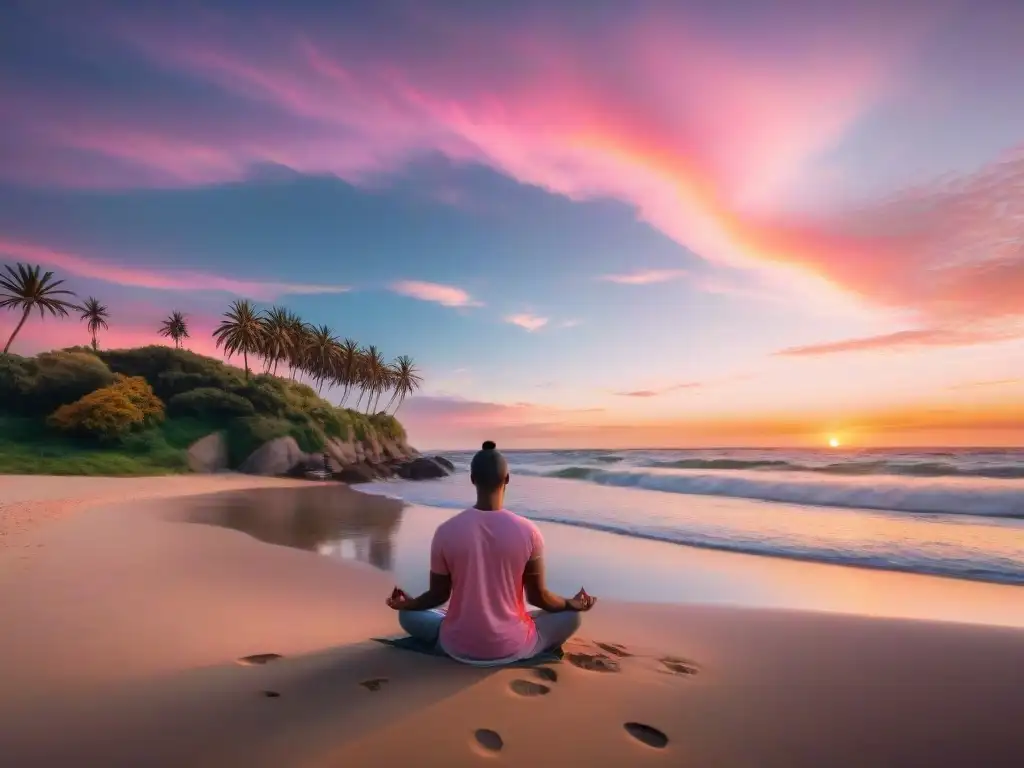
(28, 288)
(96, 315)
(175, 328)
(241, 330)
(323, 355)
(405, 378)
(347, 374)
(279, 335)
(298, 332)
(375, 376)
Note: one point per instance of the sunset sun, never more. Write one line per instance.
(833, 442)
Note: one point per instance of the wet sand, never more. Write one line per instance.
(131, 638)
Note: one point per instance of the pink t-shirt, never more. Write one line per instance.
(485, 553)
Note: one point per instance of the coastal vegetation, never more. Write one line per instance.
(88, 410)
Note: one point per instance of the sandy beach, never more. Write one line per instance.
(131, 638)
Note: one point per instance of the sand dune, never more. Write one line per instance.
(130, 639)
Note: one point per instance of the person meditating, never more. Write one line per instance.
(483, 559)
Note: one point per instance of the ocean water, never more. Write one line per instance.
(955, 513)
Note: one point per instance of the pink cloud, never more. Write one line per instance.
(928, 337)
(445, 295)
(165, 280)
(527, 321)
(623, 114)
(644, 277)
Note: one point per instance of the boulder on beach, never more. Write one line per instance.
(208, 454)
(444, 463)
(275, 457)
(358, 473)
(422, 468)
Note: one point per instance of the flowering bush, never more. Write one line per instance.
(111, 412)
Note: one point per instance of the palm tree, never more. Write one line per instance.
(277, 338)
(301, 335)
(96, 314)
(374, 374)
(323, 355)
(241, 330)
(361, 376)
(348, 367)
(406, 380)
(26, 289)
(386, 382)
(175, 327)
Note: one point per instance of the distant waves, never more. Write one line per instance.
(919, 493)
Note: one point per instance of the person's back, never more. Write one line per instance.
(483, 560)
(485, 553)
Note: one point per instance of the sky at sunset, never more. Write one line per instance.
(592, 224)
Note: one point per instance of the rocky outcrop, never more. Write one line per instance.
(348, 461)
(209, 454)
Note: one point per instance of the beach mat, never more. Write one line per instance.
(406, 643)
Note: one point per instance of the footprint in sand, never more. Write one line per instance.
(646, 734)
(678, 666)
(258, 658)
(594, 662)
(546, 673)
(489, 741)
(614, 649)
(374, 684)
(528, 688)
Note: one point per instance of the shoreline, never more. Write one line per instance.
(974, 548)
(126, 640)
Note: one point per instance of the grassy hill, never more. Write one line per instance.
(135, 412)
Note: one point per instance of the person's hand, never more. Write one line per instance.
(581, 601)
(398, 599)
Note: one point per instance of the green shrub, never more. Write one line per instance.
(173, 371)
(181, 431)
(111, 413)
(209, 403)
(388, 426)
(14, 382)
(38, 385)
(268, 395)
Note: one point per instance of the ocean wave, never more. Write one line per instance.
(774, 532)
(949, 496)
(881, 467)
(963, 568)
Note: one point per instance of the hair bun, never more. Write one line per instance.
(489, 445)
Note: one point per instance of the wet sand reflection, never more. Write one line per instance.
(329, 519)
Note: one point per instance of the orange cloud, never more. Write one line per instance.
(662, 391)
(990, 383)
(930, 337)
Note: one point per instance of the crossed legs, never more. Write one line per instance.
(553, 629)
